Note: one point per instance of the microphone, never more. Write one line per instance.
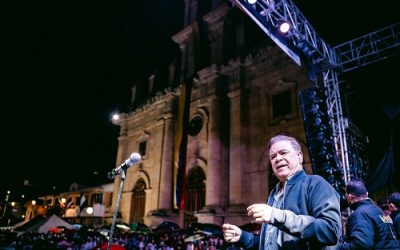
(132, 160)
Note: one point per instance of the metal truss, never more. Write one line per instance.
(303, 39)
(269, 14)
(331, 84)
(368, 49)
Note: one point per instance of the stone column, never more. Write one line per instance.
(213, 182)
(123, 140)
(235, 152)
(166, 178)
(123, 143)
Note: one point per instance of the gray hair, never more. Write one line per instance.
(278, 138)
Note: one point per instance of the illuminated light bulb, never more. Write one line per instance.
(89, 210)
(284, 27)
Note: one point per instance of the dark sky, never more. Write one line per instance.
(68, 66)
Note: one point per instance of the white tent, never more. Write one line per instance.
(43, 225)
(53, 221)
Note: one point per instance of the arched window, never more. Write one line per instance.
(196, 193)
(138, 201)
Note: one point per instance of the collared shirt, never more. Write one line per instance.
(271, 235)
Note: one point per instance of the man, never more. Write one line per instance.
(302, 211)
(366, 227)
(394, 206)
(384, 205)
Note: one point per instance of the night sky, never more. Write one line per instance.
(69, 66)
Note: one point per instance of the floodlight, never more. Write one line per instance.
(284, 27)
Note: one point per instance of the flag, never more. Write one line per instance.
(182, 125)
(82, 203)
(180, 146)
(70, 202)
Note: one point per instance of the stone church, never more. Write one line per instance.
(243, 90)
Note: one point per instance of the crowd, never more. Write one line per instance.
(84, 239)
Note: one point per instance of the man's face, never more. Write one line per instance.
(285, 160)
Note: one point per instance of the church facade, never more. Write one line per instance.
(243, 90)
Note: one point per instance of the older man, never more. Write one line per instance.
(302, 211)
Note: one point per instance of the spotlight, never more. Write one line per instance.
(284, 27)
(252, 1)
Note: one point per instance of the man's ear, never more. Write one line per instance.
(300, 157)
(349, 197)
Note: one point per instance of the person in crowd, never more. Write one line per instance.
(302, 211)
(384, 205)
(366, 227)
(394, 206)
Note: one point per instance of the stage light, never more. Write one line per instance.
(252, 1)
(284, 27)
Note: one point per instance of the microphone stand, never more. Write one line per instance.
(121, 184)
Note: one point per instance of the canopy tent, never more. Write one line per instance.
(166, 227)
(43, 225)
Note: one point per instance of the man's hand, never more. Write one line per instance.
(231, 232)
(260, 213)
